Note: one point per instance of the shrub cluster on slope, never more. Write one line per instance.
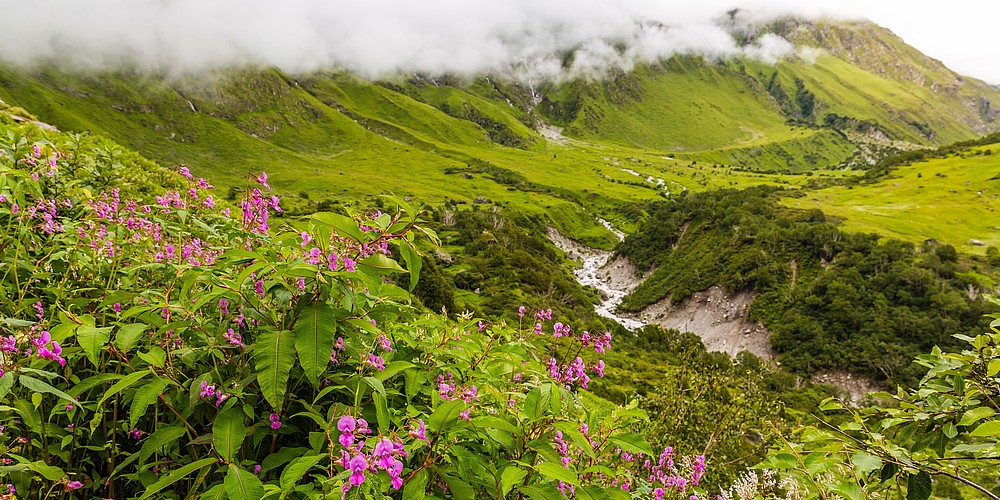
(831, 299)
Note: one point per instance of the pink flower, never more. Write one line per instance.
(74, 485)
(262, 180)
(275, 420)
(357, 466)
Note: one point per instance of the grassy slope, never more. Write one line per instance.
(336, 137)
(952, 200)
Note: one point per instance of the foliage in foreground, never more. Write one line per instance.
(942, 436)
(179, 349)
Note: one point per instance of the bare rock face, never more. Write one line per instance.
(720, 320)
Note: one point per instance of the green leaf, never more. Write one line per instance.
(976, 414)
(50, 472)
(242, 485)
(158, 439)
(175, 475)
(93, 340)
(381, 410)
(376, 384)
(145, 396)
(344, 225)
(29, 415)
(274, 353)
(511, 476)
(416, 487)
(126, 382)
(128, 336)
(632, 443)
(413, 263)
(39, 386)
(444, 415)
(540, 491)
(994, 368)
(315, 330)
(228, 433)
(6, 382)
(865, 463)
(459, 488)
(918, 486)
(782, 461)
(393, 368)
(558, 472)
(987, 429)
(849, 490)
(381, 263)
(888, 471)
(294, 471)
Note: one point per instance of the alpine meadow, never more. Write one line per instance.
(524, 250)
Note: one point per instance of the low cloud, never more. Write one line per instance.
(526, 39)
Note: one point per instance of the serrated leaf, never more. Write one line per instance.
(93, 340)
(633, 443)
(392, 369)
(126, 382)
(315, 330)
(50, 472)
(459, 489)
(865, 463)
(128, 336)
(557, 472)
(145, 396)
(416, 487)
(158, 439)
(976, 414)
(849, 490)
(511, 476)
(381, 410)
(986, 429)
(274, 353)
(228, 433)
(444, 415)
(413, 263)
(294, 471)
(242, 485)
(175, 475)
(381, 263)
(39, 386)
(918, 486)
(6, 382)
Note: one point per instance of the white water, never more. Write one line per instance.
(593, 273)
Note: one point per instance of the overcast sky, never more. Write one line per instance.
(960, 33)
(524, 37)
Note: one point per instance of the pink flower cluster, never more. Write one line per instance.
(666, 474)
(257, 208)
(49, 349)
(574, 373)
(384, 456)
(209, 391)
(234, 338)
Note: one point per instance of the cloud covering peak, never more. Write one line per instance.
(529, 39)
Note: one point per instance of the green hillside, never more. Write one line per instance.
(566, 151)
(951, 200)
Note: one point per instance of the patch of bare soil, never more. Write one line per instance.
(718, 318)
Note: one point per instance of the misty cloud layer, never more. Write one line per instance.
(528, 39)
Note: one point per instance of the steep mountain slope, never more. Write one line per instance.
(626, 139)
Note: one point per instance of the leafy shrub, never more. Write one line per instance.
(178, 348)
